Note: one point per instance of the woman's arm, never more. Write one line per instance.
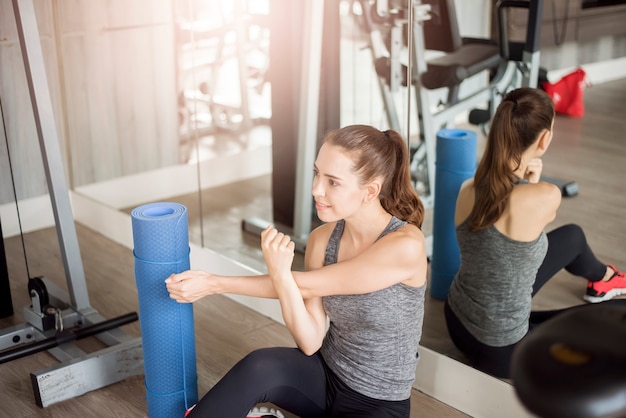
(191, 285)
(306, 320)
(397, 257)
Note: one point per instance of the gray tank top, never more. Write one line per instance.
(492, 291)
(372, 340)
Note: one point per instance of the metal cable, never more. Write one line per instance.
(19, 220)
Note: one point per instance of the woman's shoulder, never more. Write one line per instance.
(322, 232)
(532, 207)
(316, 245)
(536, 197)
(464, 201)
(407, 238)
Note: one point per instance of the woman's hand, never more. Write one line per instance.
(191, 285)
(533, 170)
(278, 252)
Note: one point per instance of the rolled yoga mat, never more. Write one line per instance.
(455, 163)
(161, 248)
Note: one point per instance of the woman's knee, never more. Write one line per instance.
(571, 233)
(262, 361)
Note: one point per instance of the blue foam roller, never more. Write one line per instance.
(455, 163)
(161, 248)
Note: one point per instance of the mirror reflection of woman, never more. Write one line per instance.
(506, 255)
(365, 275)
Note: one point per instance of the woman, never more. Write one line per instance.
(365, 272)
(506, 256)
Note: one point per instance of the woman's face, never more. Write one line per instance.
(336, 189)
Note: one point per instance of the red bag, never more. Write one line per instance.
(567, 93)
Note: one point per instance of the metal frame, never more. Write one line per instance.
(512, 73)
(78, 372)
(306, 148)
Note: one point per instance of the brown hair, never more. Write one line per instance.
(384, 155)
(521, 117)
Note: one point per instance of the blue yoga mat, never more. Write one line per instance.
(455, 163)
(161, 248)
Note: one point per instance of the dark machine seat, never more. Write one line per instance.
(453, 68)
(464, 57)
(574, 365)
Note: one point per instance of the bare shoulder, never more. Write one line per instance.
(406, 240)
(541, 197)
(467, 184)
(316, 245)
(407, 247)
(412, 232)
(534, 205)
(464, 201)
(322, 232)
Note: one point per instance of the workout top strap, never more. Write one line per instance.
(332, 248)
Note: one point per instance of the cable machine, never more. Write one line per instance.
(55, 319)
(434, 27)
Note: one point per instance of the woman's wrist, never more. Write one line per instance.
(220, 285)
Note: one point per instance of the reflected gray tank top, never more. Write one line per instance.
(491, 294)
(372, 340)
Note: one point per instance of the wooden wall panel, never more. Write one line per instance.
(119, 60)
(111, 68)
(18, 120)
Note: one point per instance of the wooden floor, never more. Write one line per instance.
(225, 331)
(591, 151)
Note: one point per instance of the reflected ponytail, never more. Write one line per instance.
(521, 117)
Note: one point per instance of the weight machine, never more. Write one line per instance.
(434, 27)
(55, 319)
(224, 51)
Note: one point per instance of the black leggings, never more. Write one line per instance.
(294, 382)
(567, 249)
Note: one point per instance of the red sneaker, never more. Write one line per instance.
(187, 412)
(604, 290)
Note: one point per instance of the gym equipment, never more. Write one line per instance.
(6, 304)
(66, 336)
(161, 248)
(572, 366)
(435, 28)
(456, 162)
(569, 188)
(52, 310)
(213, 51)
